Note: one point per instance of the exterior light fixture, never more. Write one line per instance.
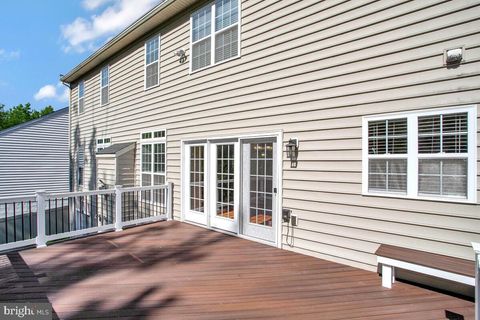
(292, 152)
(453, 57)
(181, 55)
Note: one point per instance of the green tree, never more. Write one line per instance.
(20, 114)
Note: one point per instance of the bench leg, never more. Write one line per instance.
(387, 276)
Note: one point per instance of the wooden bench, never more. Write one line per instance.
(450, 268)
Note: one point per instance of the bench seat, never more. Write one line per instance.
(450, 268)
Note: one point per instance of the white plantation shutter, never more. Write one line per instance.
(201, 54)
(439, 138)
(226, 44)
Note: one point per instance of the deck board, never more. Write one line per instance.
(172, 270)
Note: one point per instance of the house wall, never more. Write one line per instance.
(34, 156)
(106, 171)
(312, 69)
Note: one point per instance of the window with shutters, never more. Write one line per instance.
(215, 34)
(104, 85)
(81, 97)
(152, 62)
(429, 154)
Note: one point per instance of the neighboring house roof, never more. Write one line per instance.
(31, 122)
(162, 12)
(116, 148)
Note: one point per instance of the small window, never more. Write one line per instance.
(81, 97)
(224, 44)
(103, 143)
(423, 154)
(152, 63)
(104, 85)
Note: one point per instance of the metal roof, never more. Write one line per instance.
(115, 148)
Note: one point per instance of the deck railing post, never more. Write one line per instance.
(41, 235)
(170, 201)
(118, 208)
(476, 248)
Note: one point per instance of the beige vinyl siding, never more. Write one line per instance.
(106, 170)
(312, 69)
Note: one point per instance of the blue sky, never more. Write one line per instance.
(41, 39)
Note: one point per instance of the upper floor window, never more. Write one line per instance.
(215, 33)
(152, 63)
(103, 143)
(81, 97)
(104, 85)
(421, 154)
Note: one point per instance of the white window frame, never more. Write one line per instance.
(81, 83)
(413, 156)
(152, 141)
(213, 35)
(106, 86)
(145, 62)
(103, 144)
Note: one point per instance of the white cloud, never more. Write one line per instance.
(6, 55)
(94, 4)
(89, 33)
(52, 92)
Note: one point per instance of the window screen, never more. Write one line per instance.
(152, 48)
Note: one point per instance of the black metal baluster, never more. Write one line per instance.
(14, 223)
(23, 224)
(30, 215)
(63, 216)
(6, 222)
(56, 216)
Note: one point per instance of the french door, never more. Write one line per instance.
(231, 185)
(224, 175)
(259, 188)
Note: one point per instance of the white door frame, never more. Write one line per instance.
(279, 171)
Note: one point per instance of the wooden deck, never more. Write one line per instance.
(172, 270)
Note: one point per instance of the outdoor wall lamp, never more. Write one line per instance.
(292, 152)
(181, 55)
(452, 58)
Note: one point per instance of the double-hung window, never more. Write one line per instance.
(152, 62)
(104, 85)
(153, 164)
(103, 143)
(429, 154)
(215, 33)
(81, 97)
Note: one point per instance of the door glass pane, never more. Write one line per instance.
(261, 186)
(225, 179)
(197, 183)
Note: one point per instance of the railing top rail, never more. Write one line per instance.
(146, 188)
(78, 193)
(12, 199)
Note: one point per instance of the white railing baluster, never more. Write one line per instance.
(118, 208)
(169, 201)
(40, 239)
(476, 248)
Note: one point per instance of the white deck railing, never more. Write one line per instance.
(26, 221)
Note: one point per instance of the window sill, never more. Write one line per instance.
(421, 198)
(145, 89)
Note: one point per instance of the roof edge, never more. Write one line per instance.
(43, 118)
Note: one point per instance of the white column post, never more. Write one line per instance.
(476, 248)
(387, 276)
(40, 239)
(118, 208)
(170, 201)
